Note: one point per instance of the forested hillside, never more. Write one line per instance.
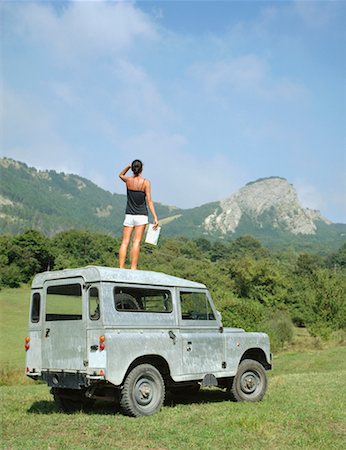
(52, 202)
(253, 287)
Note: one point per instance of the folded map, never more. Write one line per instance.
(152, 235)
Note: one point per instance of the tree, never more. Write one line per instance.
(307, 264)
(338, 259)
(259, 280)
(248, 245)
(31, 252)
(76, 248)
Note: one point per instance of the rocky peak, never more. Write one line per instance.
(268, 201)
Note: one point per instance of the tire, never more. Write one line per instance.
(68, 400)
(250, 383)
(143, 392)
(126, 302)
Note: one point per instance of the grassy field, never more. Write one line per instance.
(304, 407)
(14, 313)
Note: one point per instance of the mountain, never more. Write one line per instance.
(266, 202)
(268, 209)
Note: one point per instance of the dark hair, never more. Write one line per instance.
(137, 167)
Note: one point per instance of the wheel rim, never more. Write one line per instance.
(250, 381)
(145, 391)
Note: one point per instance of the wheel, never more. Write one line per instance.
(126, 301)
(250, 383)
(69, 400)
(143, 392)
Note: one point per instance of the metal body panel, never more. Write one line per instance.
(203, 351)
(64, 341)
(239, 342)
(125, 346)
(93, 274)
(33, 356)
(65, 346)
(193, 349)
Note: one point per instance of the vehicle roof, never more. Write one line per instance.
(96, 273)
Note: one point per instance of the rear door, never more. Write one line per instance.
(64, 325)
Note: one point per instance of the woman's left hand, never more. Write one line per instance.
(156, 224)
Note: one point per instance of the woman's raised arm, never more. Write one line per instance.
(122, 174)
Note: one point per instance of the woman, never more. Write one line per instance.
(136, 215)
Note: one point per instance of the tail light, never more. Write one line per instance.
(27, 345)
(102, 342)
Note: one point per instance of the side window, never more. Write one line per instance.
(94, 304)
(35, 307)
(64, 302)
(142, 300)
(195, 306)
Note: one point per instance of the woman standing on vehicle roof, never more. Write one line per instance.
(136, 214)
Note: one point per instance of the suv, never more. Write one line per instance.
(99, 332)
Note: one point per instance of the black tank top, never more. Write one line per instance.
(136, 203)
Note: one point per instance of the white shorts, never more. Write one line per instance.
(134, 220)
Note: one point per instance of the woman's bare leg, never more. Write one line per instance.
(136, 245)
(123, 248)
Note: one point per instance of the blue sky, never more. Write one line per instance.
(210, 95)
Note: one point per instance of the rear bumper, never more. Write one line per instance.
(67, 380)
(34, 375)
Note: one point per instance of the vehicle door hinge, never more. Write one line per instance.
(224, 364)
(85, 363)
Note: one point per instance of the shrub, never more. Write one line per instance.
(240, 313)
(278, 325)
(11, 276)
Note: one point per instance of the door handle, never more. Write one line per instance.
(172, 336)
(47, 332)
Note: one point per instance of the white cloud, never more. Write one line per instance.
(317, 13)
(138, 96)
(248, 75)
(86, 29)
(24, 114)
(65, 92)
(31, 137)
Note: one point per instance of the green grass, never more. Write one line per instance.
(304, 407)
(14, 313)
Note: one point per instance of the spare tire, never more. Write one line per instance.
(125, 302)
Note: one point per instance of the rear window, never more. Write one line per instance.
(35, 307)
(142, 300)
(94, 304)
(64, 302)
